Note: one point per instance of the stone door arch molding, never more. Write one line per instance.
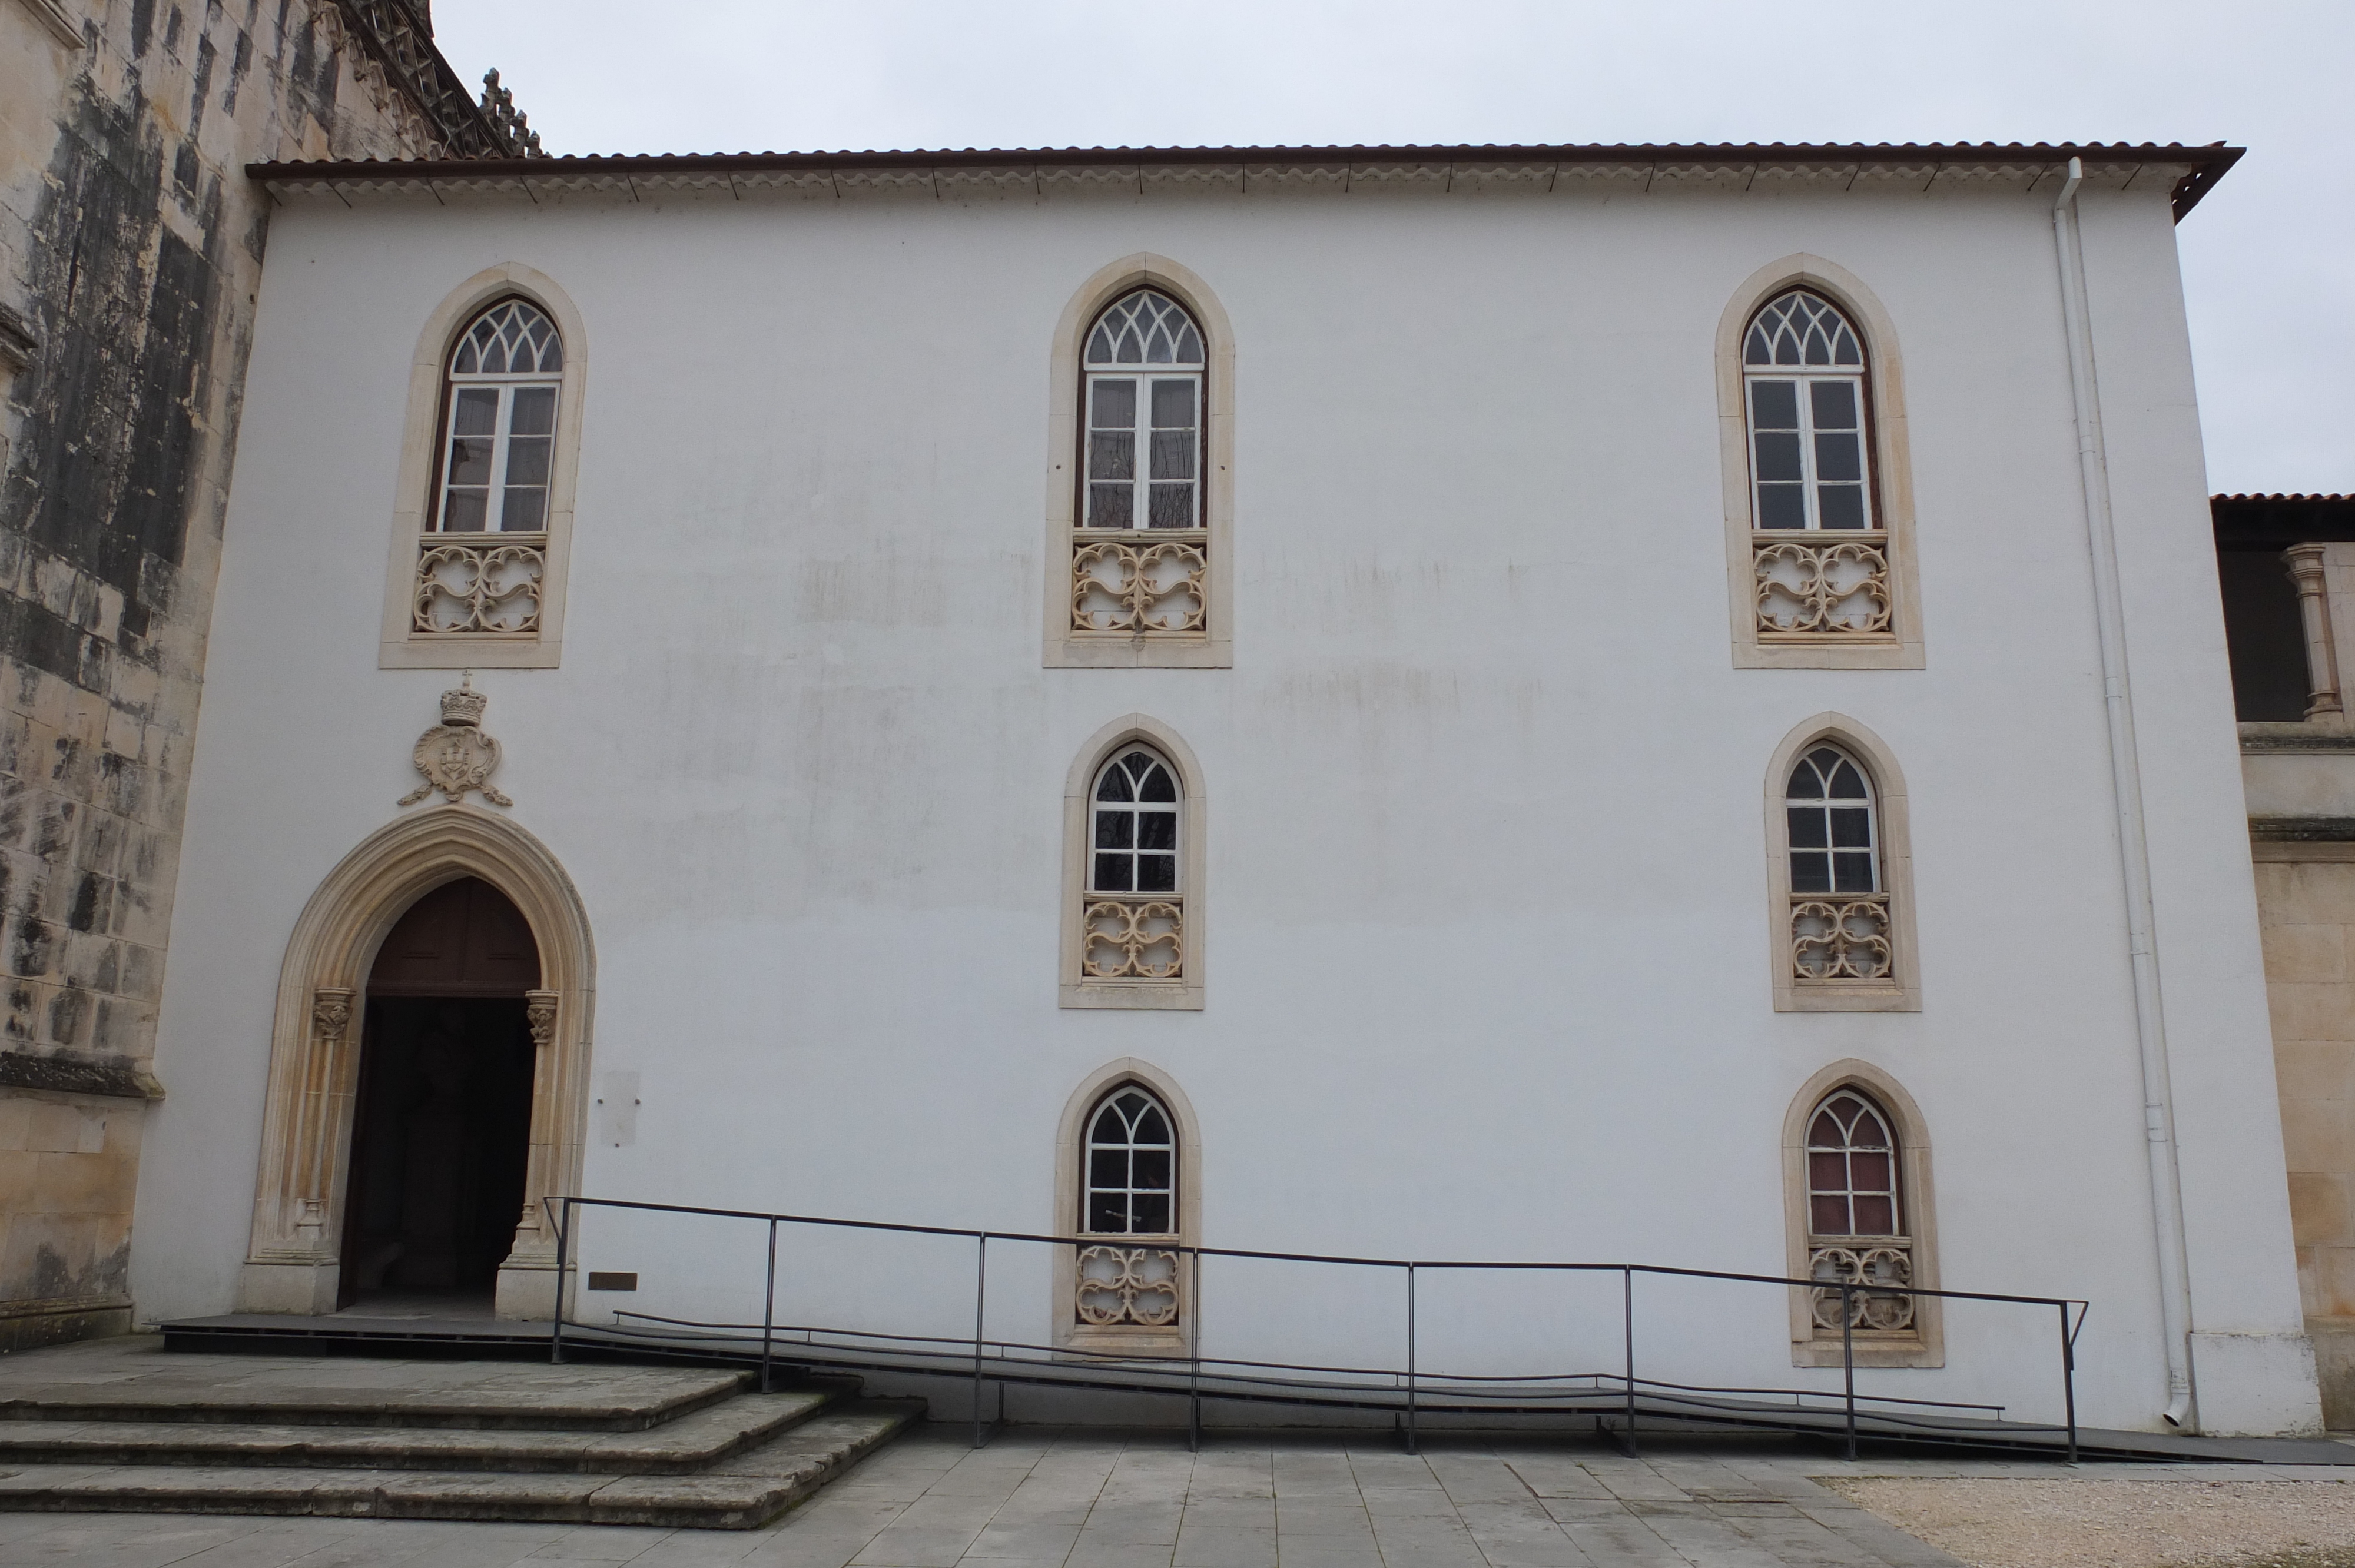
(291, 1264)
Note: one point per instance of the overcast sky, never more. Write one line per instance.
(2269, 258)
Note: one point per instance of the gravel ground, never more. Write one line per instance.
(2090, 1523)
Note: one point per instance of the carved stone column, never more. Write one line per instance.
(2306, 570)
(528, 1288)
(295, 1270)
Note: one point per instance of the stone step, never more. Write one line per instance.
(476, 1396)
(739, 1492)
(687, 1443)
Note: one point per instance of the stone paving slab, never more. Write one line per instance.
(134, 1379)
(690, 1442)
(1095, 1498)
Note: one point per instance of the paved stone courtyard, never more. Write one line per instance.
(1092, 1498)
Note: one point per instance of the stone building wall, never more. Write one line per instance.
(2306, 913)
(131, 248)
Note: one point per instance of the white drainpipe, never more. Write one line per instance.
(2125, 784)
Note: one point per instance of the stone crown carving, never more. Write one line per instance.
(457, 756)
(463, 707)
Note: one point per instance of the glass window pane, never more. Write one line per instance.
(470, 461)
(1842, 505)
(465, 510)
(1828, 1172)
(1108, 1213)
(1151, 1128)
(1774, 404)
(1778, 456)
(1112, 454)
(1782, 506)
(476, 412)
(1157, 786)
(1156, 874)
(1109, 505)
(1854, 872)
(1851, 827)
(1875, 1217)
(1825, 1133)
(1807, 828)
(1173, 404)
(524, 511)
(527, 460)
(1114, 407)
(1810, 873)
(1838, 456)
(1827, 1216)
(1833, 404)
(1848, 784)
(1806, 784)
(1871, 1171)
(534, 413)
(1108, 1168)
(1157, 829)
(1173, 506)
(1151, 1168)
(1151, 1212)
(1116, 830)
(1112, 874)
(1113, 786)
(1173, 454)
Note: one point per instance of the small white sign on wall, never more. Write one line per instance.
(618, 1110)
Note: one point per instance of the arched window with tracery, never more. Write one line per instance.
(1855, 1216)
(483, 559)
(1129, 1180)
(1133, 924)
(1839, 906)
(1820, 550)
(1140, 550)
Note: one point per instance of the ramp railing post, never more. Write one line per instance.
(1847, 1362)
(1410, 1362)
(1627, 1317)
(556, 1315)
(1194, 1356)
(2069, 1379)
(769, 1308)
(980, 1304)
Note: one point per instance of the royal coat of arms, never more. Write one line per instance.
(456, 755)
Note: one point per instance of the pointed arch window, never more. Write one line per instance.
(504, 374)
(1839, 910)
(1127, 1205)
(1138, 573)
(1133, 925)
(1856, 1217)
(1132, 1166)
(1131, 1192)
(482, 561)
(1820, 559)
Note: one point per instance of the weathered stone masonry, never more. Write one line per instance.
(131, 249)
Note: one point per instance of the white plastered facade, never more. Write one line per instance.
(1488, 853)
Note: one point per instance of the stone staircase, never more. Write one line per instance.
(118, 1426)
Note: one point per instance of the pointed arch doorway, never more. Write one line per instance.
(441, 1124)
(302, 1219)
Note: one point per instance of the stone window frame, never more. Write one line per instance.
(1070, 1138)
(1213, 648)
(1925, 1344)
(1184, 993)
(400, 645)
(1893, 474)
(1901, 993)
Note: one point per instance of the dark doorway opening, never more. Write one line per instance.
(441, 1131)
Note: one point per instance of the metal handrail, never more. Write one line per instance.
(562, 1207)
